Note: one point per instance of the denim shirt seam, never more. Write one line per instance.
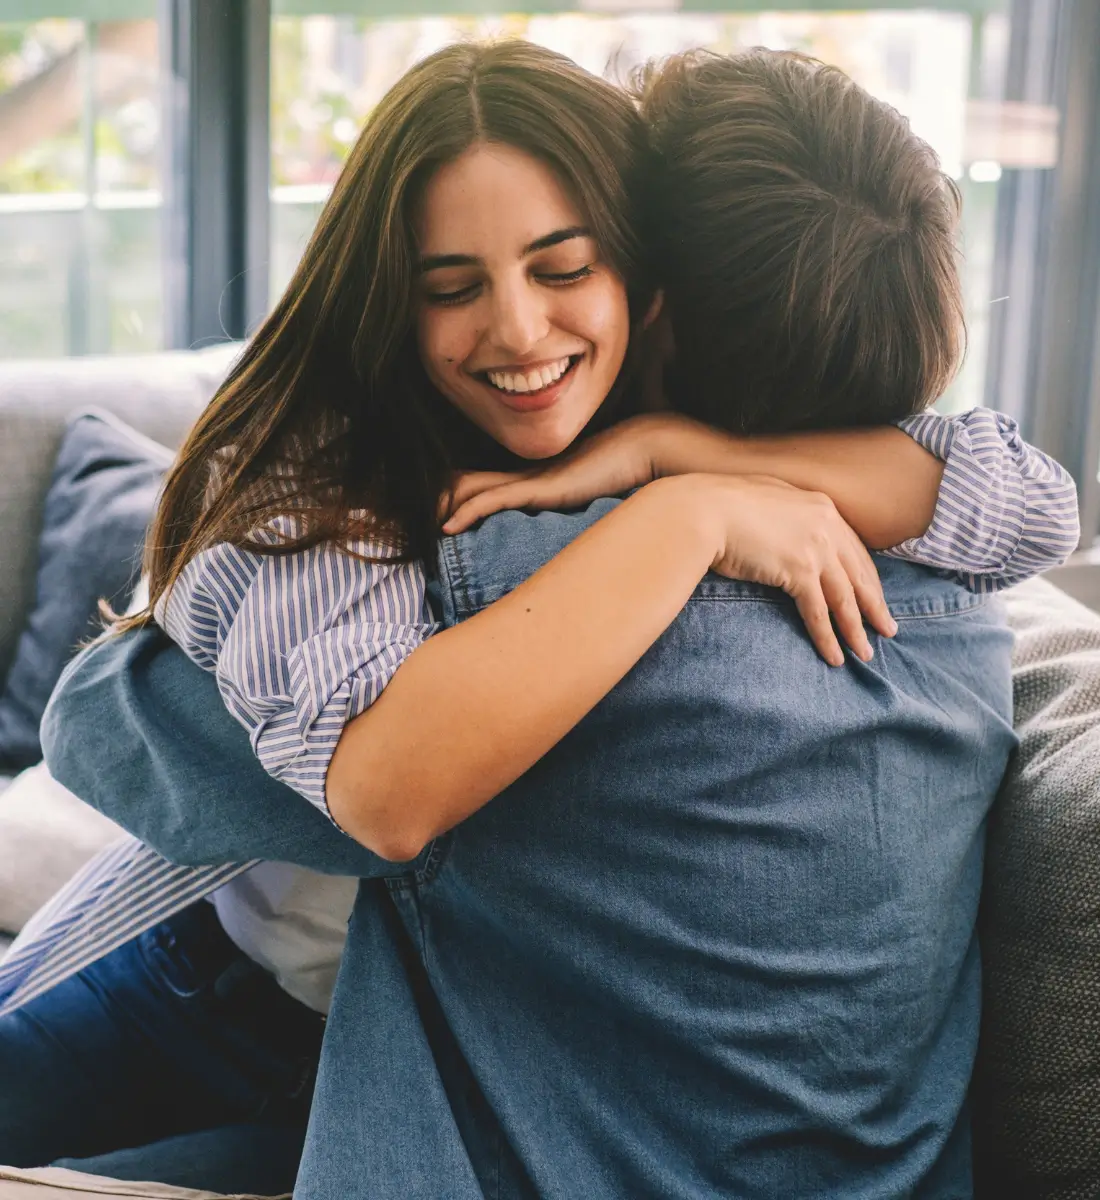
(457, 579)
(960, 610)
(465, 605)
(428, 866)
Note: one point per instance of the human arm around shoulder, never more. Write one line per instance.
(964, 493)
(141, 734)
(144, 735)
(475, 706)
(882, 482)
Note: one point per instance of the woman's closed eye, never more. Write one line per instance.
(565, 276)
(458, 296)
(471, 290)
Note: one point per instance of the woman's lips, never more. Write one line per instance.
(527, 402)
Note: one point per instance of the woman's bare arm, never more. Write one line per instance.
(476, 705)
(883, 483)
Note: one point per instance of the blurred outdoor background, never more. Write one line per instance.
(104, 183)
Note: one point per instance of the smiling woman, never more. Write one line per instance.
(520, 322)
(366, 432)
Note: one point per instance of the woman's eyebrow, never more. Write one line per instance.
(556, 238)
(433, 262)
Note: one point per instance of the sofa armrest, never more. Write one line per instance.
(1037, 1120)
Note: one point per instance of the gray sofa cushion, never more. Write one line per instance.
(104, 487)
(160, 395)
(1037, 1084)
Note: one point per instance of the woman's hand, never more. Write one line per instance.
(772, 533)
(607, 464)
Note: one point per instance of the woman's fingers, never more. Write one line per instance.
(872, 601)
(798, 541)
(841, 597)
(814, 611)
(473, 483)
(608, 464)
(838, 598)
(860, 569)
(484, 504)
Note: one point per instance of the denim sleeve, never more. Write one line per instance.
(140, 732)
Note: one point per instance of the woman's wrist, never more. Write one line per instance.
(678, 445)
(691, 503)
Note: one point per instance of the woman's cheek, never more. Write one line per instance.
(443, 340)
(607, 317)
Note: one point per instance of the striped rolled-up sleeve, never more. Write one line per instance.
(1005, 511)
(299, 643)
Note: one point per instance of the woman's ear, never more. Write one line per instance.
(655, 307)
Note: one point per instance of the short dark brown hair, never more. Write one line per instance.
(807, 241)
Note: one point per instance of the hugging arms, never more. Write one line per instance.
(521, 258)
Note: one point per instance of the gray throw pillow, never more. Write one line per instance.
(104, 486)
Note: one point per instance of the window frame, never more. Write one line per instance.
(216, 114)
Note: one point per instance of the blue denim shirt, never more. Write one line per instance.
(720, 941)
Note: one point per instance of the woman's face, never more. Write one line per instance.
(520, 324)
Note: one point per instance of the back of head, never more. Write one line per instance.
(806, 238)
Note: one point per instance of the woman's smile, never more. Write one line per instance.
(532, 388)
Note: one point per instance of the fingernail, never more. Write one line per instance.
(892, 626)
(868, 654)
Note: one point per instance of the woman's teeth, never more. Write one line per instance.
(529, 381)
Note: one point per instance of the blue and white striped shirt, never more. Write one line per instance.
(300, 644)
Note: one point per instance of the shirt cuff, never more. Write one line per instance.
(981, 510)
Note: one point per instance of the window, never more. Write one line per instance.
(80, 181)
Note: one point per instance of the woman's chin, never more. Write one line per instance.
(540, 449)
(537, 440)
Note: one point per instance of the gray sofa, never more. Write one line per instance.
(1037, 1089)
(44, 833)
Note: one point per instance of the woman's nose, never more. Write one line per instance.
(520, 319)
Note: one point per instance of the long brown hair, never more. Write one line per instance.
(807, 242)
(328, 414)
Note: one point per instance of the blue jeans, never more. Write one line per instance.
(174, 1059)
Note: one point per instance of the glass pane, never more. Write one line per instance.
(80, 199)
(944, 70)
